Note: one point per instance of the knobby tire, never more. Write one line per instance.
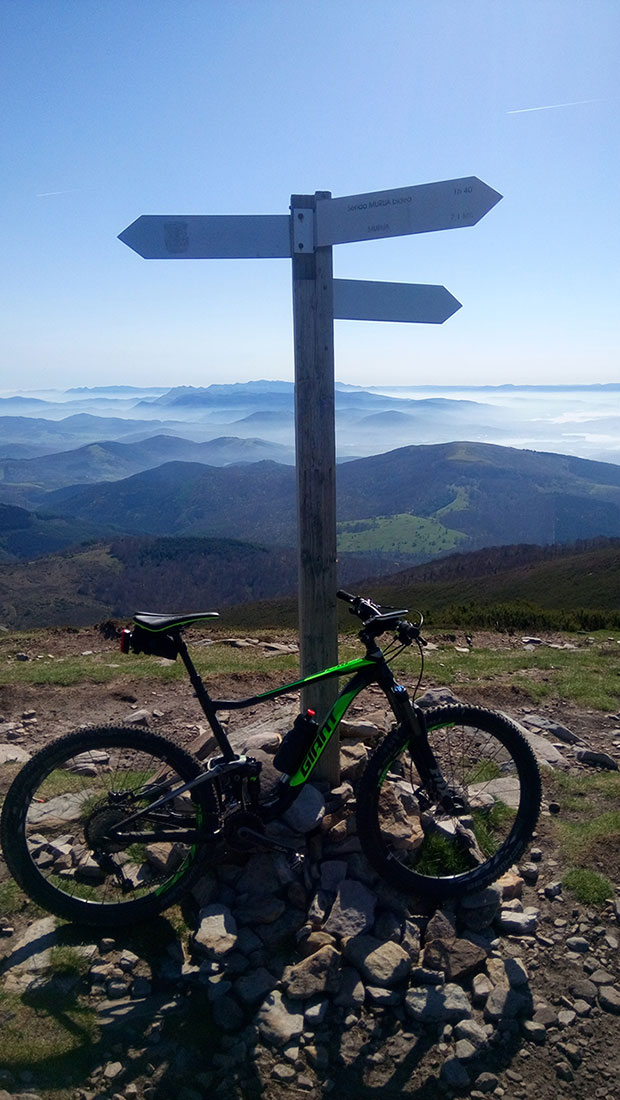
(67, 791)
(413, 842)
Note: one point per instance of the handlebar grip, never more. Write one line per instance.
(346, 596)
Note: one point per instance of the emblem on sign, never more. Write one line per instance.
(176, 237)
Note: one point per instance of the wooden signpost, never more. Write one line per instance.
(306, 236)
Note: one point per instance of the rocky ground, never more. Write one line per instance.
(320, 980)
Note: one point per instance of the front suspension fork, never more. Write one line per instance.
(413, 719)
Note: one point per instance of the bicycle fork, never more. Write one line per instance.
(413, 719)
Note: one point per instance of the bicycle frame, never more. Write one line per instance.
(373, 668)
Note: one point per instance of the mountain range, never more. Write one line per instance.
(106, 492)
(474, 494)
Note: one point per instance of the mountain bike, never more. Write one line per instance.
(111, 825)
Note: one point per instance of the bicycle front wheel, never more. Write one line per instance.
(444, 845)
(90, 832)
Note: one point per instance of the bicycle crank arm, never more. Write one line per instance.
(246, 833)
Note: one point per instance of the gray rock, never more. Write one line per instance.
(609, 998)
(272, 869)
(268, 742)
(504, 1003)
(31, 955)
(584, 990)
(253, 987)
(578, 944)
(477, 911)
(459, 958)
(353, 759)
(597, 759)
(436, 697)
(136, 717)
(474, 1032)
(544, 752)
(216, 934)
(545, 1015)
(534, 1031)
(12, 754)
(351, 991)
(554, 728)
(314, 975)
(333, 871)
(381, 964)
(259, 910)
(353, 911)
(316, 1011)
(362, 730)
(279, 1020)
(454, 1075)
(307, 810)
(389, 926)
(518, 924)
(602, 977)
(438, 1004)
(464, 1050)
(486, 1082)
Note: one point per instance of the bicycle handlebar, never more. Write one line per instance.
(374, 615)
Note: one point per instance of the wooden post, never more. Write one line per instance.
(315, 436)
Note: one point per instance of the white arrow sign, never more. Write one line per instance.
(209, 236)
(421, 209)
(355, 300)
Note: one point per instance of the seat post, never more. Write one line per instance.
(205, 700)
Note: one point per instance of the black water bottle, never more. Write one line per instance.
(296, 743)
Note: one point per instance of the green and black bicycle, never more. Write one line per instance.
(111, 825)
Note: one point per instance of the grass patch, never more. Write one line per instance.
(589, 887)
(47, 1033)
(579, 838)
(67, 962)
(588, 676)
(106, 666)
(401, 534)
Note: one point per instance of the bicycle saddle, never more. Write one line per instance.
(152, 620)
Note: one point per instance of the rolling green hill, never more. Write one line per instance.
(115, 579)
(25, 534)
(470, 494)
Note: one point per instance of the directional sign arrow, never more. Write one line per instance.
(355, 300)
(209, 236)
(421, 209)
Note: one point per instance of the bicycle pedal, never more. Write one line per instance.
(296, 860)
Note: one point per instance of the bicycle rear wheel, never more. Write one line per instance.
(443, 848)
(83, 835)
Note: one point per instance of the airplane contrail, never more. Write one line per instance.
(552, 106)
(47, 194)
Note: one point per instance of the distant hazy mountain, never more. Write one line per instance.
(412, 503)
(110, 461)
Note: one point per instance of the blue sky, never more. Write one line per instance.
(114, 109)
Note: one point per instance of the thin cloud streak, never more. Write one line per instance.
(48, 194)
(553, 106)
